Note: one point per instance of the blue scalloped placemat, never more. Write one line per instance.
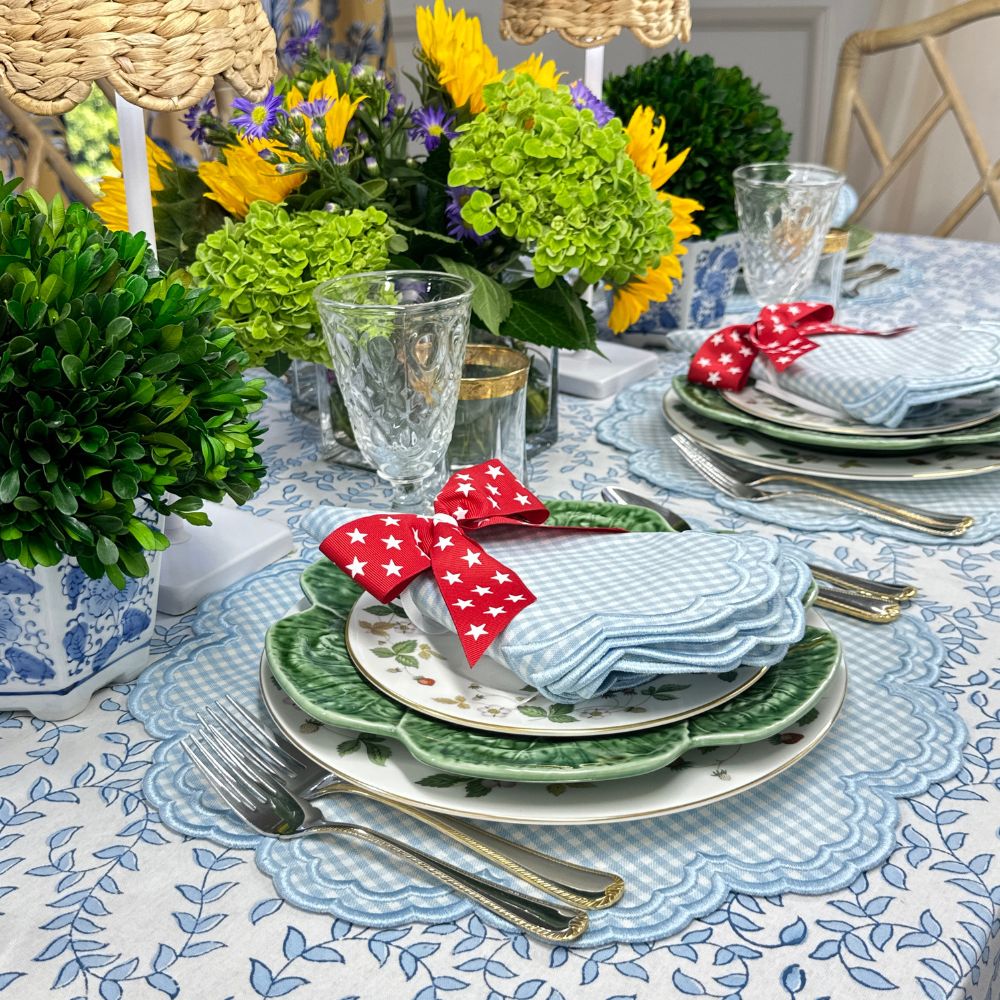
(636, 425)
(812, 829)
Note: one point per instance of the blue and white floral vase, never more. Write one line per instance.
(700, 299)
(64, 635)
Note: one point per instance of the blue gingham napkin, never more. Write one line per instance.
(615, 611)
(878, 380)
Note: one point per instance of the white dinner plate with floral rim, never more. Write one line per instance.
(777, 456)
(707, 775)
(938, 418)
(430, 674)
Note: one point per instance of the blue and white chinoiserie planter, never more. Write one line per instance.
(64, 635)
(701, 298)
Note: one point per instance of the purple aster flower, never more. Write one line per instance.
(583, 97)
(298, 45)
(371, 164)
(457, 226)
(194, 117)
(313, 109)
(341, 155)
(358, 70)
(256, 120)
(432, 125)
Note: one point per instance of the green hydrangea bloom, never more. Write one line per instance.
(553, 179)
(265, 268)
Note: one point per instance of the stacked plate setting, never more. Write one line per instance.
(920, 405)
(386, 704)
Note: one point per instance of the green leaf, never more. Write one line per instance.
(477, 788)
(378, 752)
(532, 711)
(10, 484)
(406, 646)
(72, 366)
(441, 780)
(383, 653)
(552, 317)
(146, 536)
(160, 363)
(107, 551)
(109, 370)
(405, 660)
(491, 302)
(381, 610)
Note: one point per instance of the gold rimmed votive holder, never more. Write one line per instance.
(491, 412)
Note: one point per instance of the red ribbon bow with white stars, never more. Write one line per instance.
(384, 552)
(780, 332)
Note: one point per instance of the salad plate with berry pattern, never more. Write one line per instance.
(430, 674)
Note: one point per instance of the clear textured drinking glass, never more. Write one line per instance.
(785, 211)
(397, 340)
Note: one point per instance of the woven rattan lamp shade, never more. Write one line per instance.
(162, 55)
(588, 23)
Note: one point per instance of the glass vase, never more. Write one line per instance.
(542, 396)
(302, 386)
(490, 418)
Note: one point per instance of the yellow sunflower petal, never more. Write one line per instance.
(245, 178)
(632, 299)
(327, 88)
(544, 74)
(338, 117)
(453, 44)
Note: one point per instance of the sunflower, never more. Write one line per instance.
(647, 149)
(111, 204)
(544, 74)
(453, 44)
(633, 298)
(324, 101)
(327, 89)
(245, 177)
(649, 154)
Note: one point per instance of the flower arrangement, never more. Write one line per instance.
(118, 390)
(718, 112)
(514, 164)
(265, 268)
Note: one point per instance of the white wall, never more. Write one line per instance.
(789, 47)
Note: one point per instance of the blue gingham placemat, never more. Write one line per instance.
(636, 425)
(812, 829)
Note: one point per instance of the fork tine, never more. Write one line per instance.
(249, 768)
(703, 465)
(217, 778)
(273, 739)
(260, 783)
(245, 742)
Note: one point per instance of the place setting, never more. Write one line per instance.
(524, 681)
(785, 416)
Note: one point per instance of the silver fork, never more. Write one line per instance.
(742, 485)
(853, 291)
(262, 801)
(237, 732)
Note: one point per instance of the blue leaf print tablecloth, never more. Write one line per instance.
(101, 898)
